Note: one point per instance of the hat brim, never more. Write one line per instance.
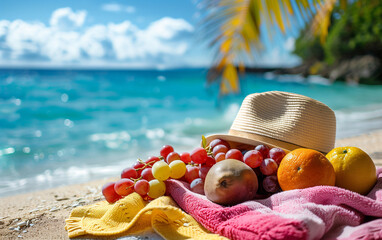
(241, 143)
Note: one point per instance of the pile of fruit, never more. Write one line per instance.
(147, 177)
(236, 175)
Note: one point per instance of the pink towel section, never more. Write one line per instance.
(312, 213)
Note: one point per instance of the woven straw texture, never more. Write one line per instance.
(286, 117)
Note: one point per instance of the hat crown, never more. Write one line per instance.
(287, 117)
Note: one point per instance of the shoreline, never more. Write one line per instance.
(85, 138)
(42, 214)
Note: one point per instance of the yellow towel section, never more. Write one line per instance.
(132, 215)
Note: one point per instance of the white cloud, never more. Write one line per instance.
(167, 28)
(64, 41)
(278, 54)
(3, 27)
(114, 7)
(66, 19)
(23, 38)
(289, 44)
(130, 9)
(278, 57)
(62, 47)
(91, 41)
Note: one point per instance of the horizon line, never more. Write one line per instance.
(119, 67)
(68, 68)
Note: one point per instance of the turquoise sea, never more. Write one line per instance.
(61, 127)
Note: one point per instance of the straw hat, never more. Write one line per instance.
(282, 119)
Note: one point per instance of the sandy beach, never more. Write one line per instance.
(42, 214)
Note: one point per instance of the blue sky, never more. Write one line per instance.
(124, 33)
(144, 11)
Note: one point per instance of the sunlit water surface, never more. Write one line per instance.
(65, 127)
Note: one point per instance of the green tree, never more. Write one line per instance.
(357, 32)
(308, 47)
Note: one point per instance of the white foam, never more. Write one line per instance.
(26, 149)
(64, 97)
(122, 135)
(231, 112)
(161, 78)
(356, 121)
(316, 79)
(59, 176)
(38, 133)
(155, 133)
(7, 151)
(68, 123)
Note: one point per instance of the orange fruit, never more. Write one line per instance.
(303, 168)
(354, 169)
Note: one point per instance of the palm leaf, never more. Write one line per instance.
(233, 30)
(234, 27)
(321, 20)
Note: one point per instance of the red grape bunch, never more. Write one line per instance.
(147, 178)
(263, 160)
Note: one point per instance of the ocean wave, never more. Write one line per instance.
(139, 143)
(145, 142)
(359, 120)
(7, 151)
(63, 128)
(111, 140)
(62, 176)
(315, 79)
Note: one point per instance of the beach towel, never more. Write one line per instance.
(321, 212)
(132, 215)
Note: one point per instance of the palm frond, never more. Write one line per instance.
(321, 20)
(233, 28)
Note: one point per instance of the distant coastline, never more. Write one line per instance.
(357, 70)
